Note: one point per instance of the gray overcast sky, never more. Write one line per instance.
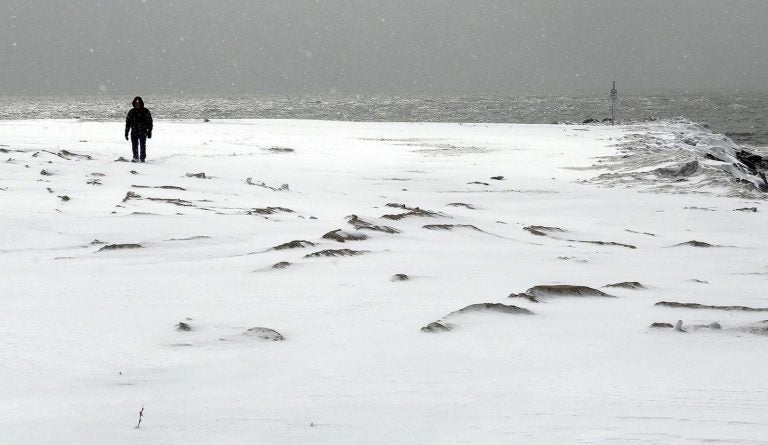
(381, 46)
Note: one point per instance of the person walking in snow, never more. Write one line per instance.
(139, 121)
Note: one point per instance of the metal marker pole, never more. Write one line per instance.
(614, 95)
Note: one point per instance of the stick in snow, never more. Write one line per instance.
(141, 414)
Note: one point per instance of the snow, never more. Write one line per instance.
(90, 337)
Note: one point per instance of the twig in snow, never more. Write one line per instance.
(141, 414)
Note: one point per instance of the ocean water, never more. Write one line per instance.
(744, 118)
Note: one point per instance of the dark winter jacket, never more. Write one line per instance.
(138, 119)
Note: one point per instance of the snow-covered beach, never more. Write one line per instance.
(102, 260)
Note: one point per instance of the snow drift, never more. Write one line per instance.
(244, 294)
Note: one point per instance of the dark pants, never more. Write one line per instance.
(139, 137)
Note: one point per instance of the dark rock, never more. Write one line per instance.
(335, 253)
(131, 195)
(536, 293)
(713, 158)
(530, 298)
(450, 227)
(45, 172)
(753, 162)
(435, 327)
(50, 190)
(568, 258)
(715, 326)
(133, 172)
(200, 175)
(627, 285)
(184, 327)
(97, 175)
(661, 325)
(361, 224)
(491, 307)
(283, 187)
(175, 201)
(64, 198)
(604, 243)
(413, 212)
(342, 236)
(121, 159)
(295, 244)
(674, 304)
(694, 243)
(281, 150)
(746, 209)
(540, 230)
(399, 277)
(639, 233)
(497, 178)
(93, 182)
(590, 120)
(268, 211)
(264, 334)
(461, 204)
(684, 170)
(96, 242)
(120, 247)
(281, 265)
(68, 155)
(478, 183)
(696, 280)
(164, 187)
